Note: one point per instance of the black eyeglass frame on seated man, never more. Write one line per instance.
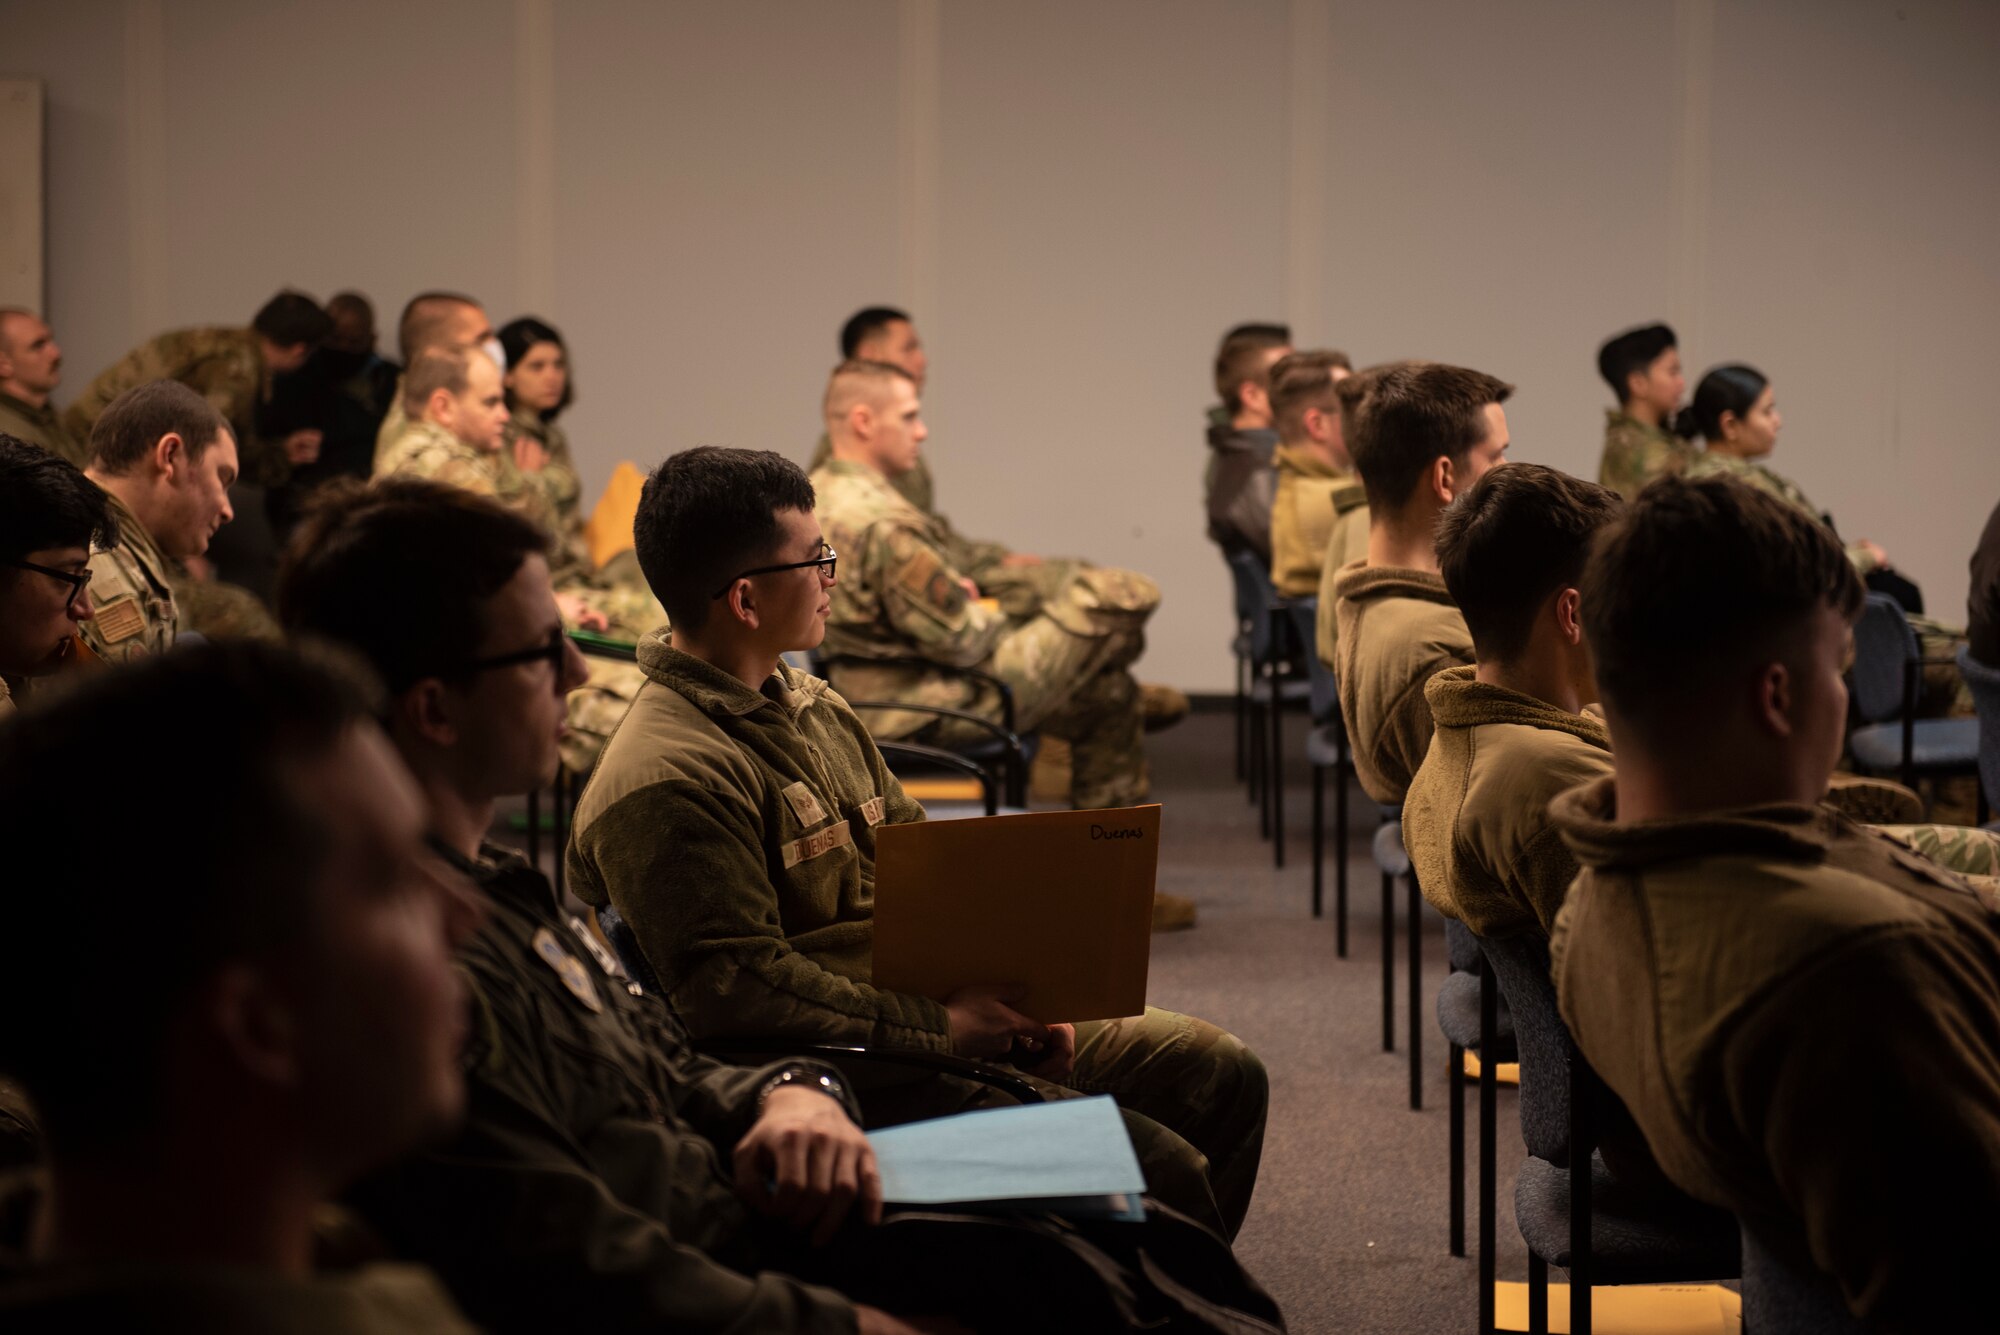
(78, 580)
(552, 652)
(826, 561)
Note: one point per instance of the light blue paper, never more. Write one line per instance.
(1035, 1152)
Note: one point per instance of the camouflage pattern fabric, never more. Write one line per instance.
(1720, 463)
(1635, 454)
(223, 365)
(1873, 801)
(1965, 849)
(132, 586)
(425, 449)
(42, 426)
(913, 486)
(900, 597)
(224, 611)
(595, 710)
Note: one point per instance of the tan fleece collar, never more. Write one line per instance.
(1458, 700)
(1587, 817)
(716, 693)
(1361, 582)
(1306, 463)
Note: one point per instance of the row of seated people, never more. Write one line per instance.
(1615, 724)
(479, 411)
(286, 1030)
(1282, 484)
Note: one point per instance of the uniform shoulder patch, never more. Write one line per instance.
(549, 949)
(119, 620)
(923, 577)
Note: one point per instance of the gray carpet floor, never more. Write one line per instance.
(1348, 1230)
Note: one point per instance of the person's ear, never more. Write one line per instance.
(742, 603)
(1443, 479)
(1569, 616)
(425, 712)
(1254, 397)
(1772, 705)
(6, 364)
(170, 455)
(861, 421)
(255, 1025)
(1634, 380)
(1730, 424)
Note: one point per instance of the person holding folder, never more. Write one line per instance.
(732, 822)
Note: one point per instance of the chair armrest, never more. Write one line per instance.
(911, 661)
(594, 645)
(1004, 735)
(939, 1063)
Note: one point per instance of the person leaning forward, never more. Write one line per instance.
(732, 822)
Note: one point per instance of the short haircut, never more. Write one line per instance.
(425, 319)
(434, 369)
(46, 502)
(207, 866)
(518, 337)
(1518, 535)
(1696, 582)
(1414, 415)
(126, 431)
(865, 324)
(1631, 353)
(707, 514)
(1241, 358)
(1304, 380)
(1726, 389)
(399, 570)
(857, 379)
(292, 318)
(351, 304)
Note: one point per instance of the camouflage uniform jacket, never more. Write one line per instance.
(1476, 820)
(591, 1182)
(561, 489)
(425, 449)
(980, 560)
(1724, 973)
(394, 423)
(1721, 463)
(1312, 498)
(914, 486)
(734, 829)
(382, 1299)
(132, 584)
(899, 594)
(1635, 453)
(1398, 628)
(224, 366)
(41, 426)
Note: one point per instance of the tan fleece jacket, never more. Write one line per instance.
(1397, 629)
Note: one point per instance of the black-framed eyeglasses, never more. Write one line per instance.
(77, 580)
(553, 652)
(826, 561)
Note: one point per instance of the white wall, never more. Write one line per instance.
(1076, 198)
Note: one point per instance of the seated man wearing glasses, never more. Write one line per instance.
(50, 519)
(732, 823)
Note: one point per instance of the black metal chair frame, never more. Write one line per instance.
(1013, 760)
(1908, 774)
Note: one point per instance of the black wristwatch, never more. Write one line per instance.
(805, 1077)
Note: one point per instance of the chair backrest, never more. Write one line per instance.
(1250, 579)
(1883, 644)
(1984, 683)
(1325, 690)
(1461, 947)
(625, 945)
(1521, 964)
(1783, 1298)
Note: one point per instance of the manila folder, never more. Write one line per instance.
(1060, 902)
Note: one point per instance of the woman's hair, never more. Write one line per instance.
(521, 335)
(1726, 389)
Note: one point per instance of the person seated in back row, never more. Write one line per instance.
(732, 823)
(1802, 1015)
(1643, 368)
(1240, 483)
(259, 1008)
(1424, 434)
(608, 1177)
(1320, 502)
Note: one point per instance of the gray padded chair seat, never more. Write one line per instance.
(1935, 744)
(1636, 1237)
(1325, 745)
(1458, 1016)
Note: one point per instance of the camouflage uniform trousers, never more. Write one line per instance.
(1965, 849)
(1194, 1099)
(1067, 668)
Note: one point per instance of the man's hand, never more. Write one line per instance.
(1059, 1057)
(530, 455)
(1874, 550)
(821, 1164)
(302, 447)
(1015, 560)
(984, 1024)
(875, 1321)
(579, 612)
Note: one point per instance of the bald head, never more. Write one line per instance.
(30, 360)
(441, 320)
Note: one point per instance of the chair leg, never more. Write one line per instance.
(1582, 1140)
(1538, 1295)
(1454, 1078)
(1413, 933)
(1319, 839)
(1277, 775)
(1242, 719)
(1340, 859)
(1388, 962)
(1489, 1088)
(1253, 732)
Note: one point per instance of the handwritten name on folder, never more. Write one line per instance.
(1058, 901)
